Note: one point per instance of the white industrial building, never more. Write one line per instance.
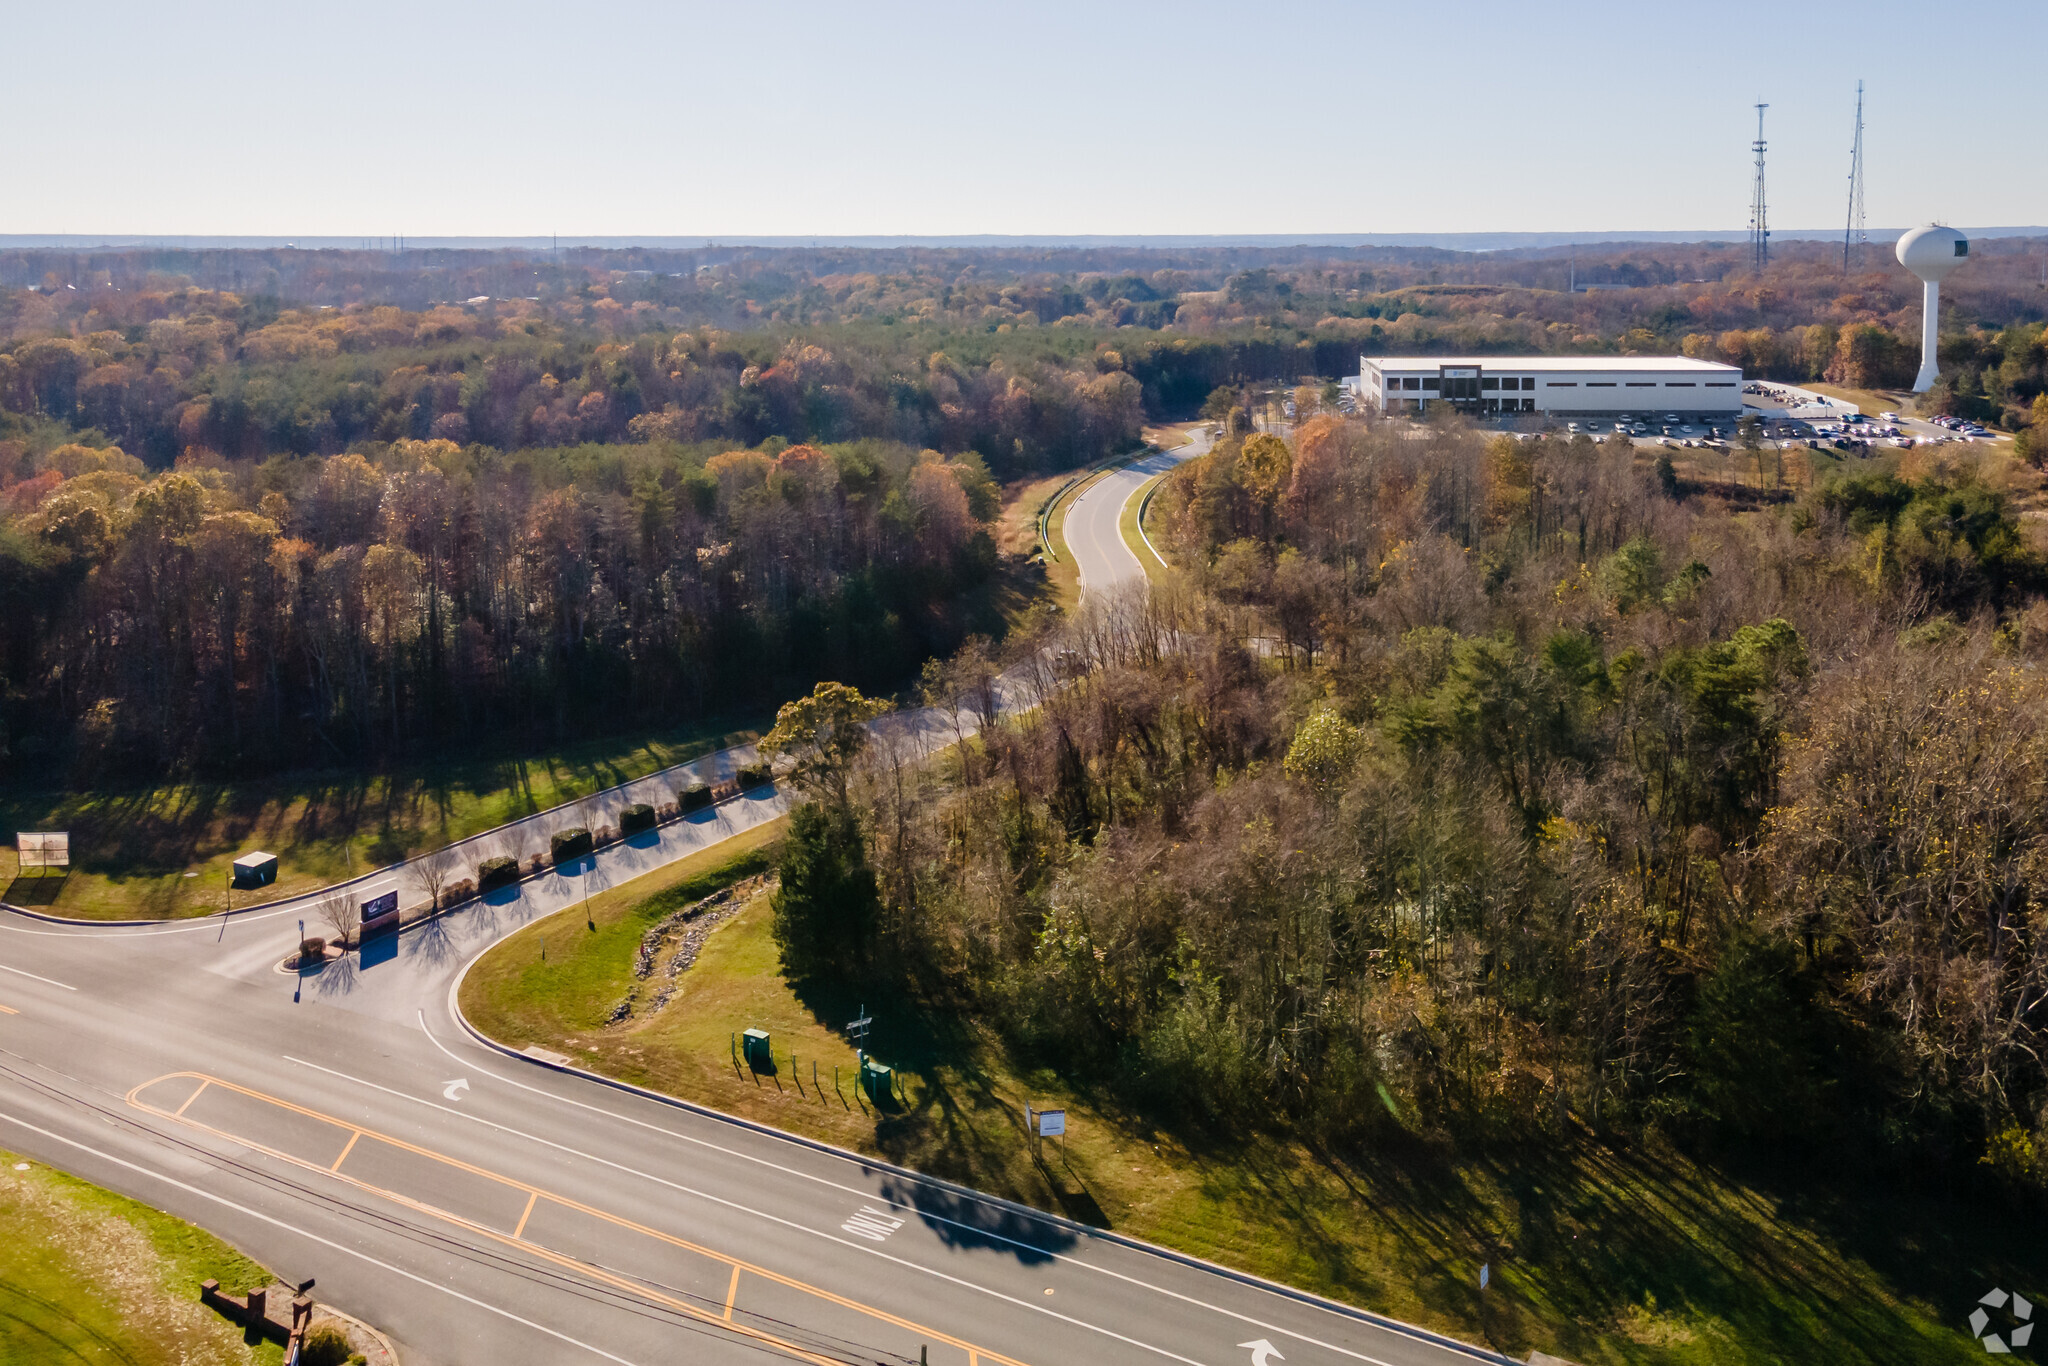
(1569, 386)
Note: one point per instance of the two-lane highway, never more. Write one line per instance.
(1094, 527)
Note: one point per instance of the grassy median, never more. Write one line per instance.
(89, 1277)
(1600, 1254)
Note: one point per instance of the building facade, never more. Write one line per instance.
(1567, 386)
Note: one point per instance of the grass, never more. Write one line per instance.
(1127, 525)
(1601, 1253)
(87, 1276)
(165, 850)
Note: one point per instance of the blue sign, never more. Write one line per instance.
(380, 914)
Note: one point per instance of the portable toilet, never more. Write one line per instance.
(255, 870)
(754, 1046)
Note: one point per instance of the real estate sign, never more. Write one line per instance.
(43, 848)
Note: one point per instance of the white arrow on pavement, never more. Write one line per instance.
(448, 1091)
(1263, 1352)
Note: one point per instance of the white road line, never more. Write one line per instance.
(975, 1229)
(762, 1214)
(33, 978)
(314, 1237)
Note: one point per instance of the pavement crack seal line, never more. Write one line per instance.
(342, 1248)
(599, 1274)
(1351, 1313)
(423, 1236)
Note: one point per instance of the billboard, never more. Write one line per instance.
(43, 848)
(380, 915)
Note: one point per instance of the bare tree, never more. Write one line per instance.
(431, 872)
(338, 911)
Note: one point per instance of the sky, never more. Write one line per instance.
(681, 119)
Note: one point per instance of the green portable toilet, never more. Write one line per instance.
(754, 1045)
(876, 1080)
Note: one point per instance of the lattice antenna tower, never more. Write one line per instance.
(1853, 235)
(1759, 219)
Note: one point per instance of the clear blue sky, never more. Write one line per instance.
(436, 119)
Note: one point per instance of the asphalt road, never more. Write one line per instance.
(498, 1210)
(1093, 530)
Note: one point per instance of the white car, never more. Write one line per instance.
(1889, 417)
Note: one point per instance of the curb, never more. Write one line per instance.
(1060, 1221)
(374, 873)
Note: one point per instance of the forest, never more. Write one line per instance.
(1490, 790)
(265, 509)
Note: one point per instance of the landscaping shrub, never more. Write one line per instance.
(458, 892)
(496, 872)
(754, 775)
(695, 797)
(324, 1345)
(568, 844)
(639, 816)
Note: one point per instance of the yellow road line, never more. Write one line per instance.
(976, 1354)
(346, 1150)
(732, 1292)
(517, 1232)
(8, 1010)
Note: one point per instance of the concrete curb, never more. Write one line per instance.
(1059, 1221)
(386, 871)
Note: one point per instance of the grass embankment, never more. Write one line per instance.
(165, 851)
(1128, 526)
(1601, 1254)
(89, 1277)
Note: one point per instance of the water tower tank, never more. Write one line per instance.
(1931, 252)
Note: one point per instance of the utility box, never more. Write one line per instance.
(878, 1081)
(754, 1046)
(255, 870)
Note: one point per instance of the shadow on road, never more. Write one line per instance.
(965, 1222)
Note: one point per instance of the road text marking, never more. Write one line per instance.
(872, 1224)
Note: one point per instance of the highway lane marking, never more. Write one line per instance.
(961, 1224)
(535, 1192)
(820, 1233)
(732, 1292)
(189, 1099)
(532, 1199)
(361, 1256)
(348, 1148)
(46, 981)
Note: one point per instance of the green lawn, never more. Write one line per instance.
(89, 1277)
(1127, 524)
(165, 851)
(1602, 1254)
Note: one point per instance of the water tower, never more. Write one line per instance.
(1931, 253)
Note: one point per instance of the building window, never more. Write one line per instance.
(1489, 383)
(1528, 405)
(1528, 381)
(1411, 383)
(1433, 383)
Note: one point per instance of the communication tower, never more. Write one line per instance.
(1759, 224)
(1853, 235)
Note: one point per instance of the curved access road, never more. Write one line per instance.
(1094, 525)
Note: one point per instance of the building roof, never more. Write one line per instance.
(1537, 365)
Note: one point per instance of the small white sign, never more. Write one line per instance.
(1485, 1275)
(1052, 1123)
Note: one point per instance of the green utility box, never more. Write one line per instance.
(878, 1081)
(754, 1047)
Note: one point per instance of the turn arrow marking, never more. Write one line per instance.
(1263, 1352)
(448, 1091)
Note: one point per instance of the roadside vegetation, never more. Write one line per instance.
(88, 1276)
